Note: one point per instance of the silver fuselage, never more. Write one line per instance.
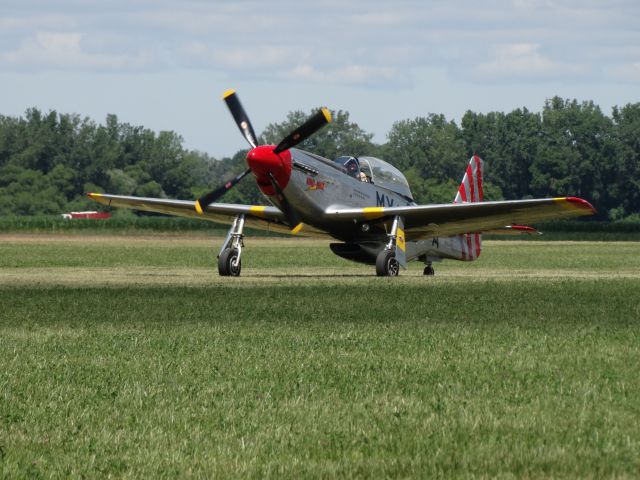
(318, 185)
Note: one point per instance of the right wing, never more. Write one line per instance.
(256, 216)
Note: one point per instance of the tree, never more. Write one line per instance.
(624, 181)
(431, 145)
(508, 145)
(430, 151)
(574, 153)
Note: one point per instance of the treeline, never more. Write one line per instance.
(48, 161)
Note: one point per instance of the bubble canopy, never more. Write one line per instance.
(381, 173)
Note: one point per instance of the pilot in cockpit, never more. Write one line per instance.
(353, 169)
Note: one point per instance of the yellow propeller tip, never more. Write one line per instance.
(297, 228)
(198, 207)
(228, 93)
(327, 114)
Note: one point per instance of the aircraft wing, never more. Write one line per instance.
(424, 221)
(256, 216)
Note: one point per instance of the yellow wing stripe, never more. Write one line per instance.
(562, 201)
(373, 212)
(257, 210)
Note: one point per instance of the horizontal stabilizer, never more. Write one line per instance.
(513, 230)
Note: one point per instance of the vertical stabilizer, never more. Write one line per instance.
(470, 191)
(471, 187)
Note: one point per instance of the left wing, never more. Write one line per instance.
(423, 221)
(256, 216)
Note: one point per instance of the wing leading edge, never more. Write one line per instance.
(423, 221)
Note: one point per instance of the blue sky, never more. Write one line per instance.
(165, 64)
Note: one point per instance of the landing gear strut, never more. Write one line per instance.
(229, 262)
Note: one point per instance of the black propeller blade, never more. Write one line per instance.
(211, 197)
(240, 116)
(304, 131)
(289, 212)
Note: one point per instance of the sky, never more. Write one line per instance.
(164, 64)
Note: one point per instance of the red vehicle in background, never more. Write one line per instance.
(87, 215)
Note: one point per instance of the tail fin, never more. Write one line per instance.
(471, 187)
(471, 191)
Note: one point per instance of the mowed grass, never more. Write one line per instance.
(131, 358)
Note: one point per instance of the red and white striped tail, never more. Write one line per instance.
(471, 191)
(471, 187)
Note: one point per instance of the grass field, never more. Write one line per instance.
(129, 357)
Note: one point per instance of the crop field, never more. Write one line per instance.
(128, 357)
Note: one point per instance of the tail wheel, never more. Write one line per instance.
(229, 264)
(386, 264)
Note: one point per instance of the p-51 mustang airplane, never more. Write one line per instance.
(365, 203)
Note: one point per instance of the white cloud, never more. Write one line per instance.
(629, 72)
(351, 75)
(21, 23)
(524, 61)
(250, 58)
(63, 50)
(388, 19)
(360, 41)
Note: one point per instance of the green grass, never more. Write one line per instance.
(132, 359)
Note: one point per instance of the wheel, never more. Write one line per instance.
(229, 263)
(386, 264)
(428, 270)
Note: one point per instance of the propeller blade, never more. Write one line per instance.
(240, 116)
(211, 197)
(304, 131)
(293, 220)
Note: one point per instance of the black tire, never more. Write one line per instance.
(229, 263)
(386, 264)
(429, 271)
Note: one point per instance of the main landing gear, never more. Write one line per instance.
(387, 265)
(229, 261)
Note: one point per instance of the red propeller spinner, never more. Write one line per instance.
(263, 162)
